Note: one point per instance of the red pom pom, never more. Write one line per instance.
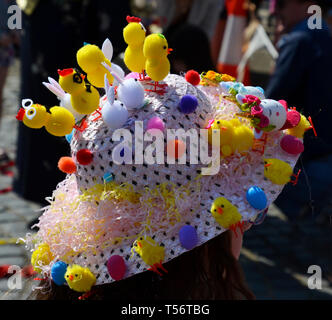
(193, 77)
(84, 157)
(293, 119)
(291, 145)
(67, 165)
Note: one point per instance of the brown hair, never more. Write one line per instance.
(207, 272)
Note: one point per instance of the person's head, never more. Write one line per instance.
(207, 272)
(191, 49)
(291, 12)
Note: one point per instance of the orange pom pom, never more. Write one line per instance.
(67, 165)
(193, 77)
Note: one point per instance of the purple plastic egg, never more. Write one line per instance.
(188, 237)
(116, 267)
(156, 123)
(291, 145)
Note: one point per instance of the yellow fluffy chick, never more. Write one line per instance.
(84, 97)
(277, 171)
(301, 128)
(134, 36)
(234, 136)
(155, 50)
(89, 58)
(42, 256)
(225, 213)
(79, 278)
(150, 252)
(58, 122)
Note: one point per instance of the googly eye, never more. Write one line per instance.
(135, 80)
(164, 47)
(121, 104)
(30, 112)
(76, 275)
(143, 28)
(26, 103)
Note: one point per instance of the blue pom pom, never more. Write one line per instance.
(58, 272)
(188, 104)
(257, 198)
(70, 136)
(188, 237)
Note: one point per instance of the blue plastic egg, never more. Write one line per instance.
(188, 237)
(58, 272)
(188, 104)
(257, 198)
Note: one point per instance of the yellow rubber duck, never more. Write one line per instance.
(134, 36)
(277, 171)
(42, 256)
(157, 66)
(150, 252)
(80, 279)
(84, 97)
(234, 136)
(58, 122)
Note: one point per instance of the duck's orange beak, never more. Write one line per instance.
(220, 210)
(71, 277)
(20, 114)
(169, 50)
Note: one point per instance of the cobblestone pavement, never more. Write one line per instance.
(275, 257)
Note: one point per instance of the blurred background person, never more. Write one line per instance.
(302, 77)
(8, 38)
(52, 32)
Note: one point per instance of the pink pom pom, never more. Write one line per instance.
(293, 119)
(291, 145)
(156, 123)
(116, 267)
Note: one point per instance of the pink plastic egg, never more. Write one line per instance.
(291, 145)
(116, 267)
(156, 123)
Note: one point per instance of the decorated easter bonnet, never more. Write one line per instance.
(119, 213)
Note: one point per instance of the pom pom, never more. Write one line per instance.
(67, 165)
(156, 123)
(293, 119)
(116, 267)
(291, 145)
(188, 237)
(108, 177)
(257, 198)
(84, 157)
(176, 148)
(188, 104)
(193, 77)
(58, 272)
(65, 72)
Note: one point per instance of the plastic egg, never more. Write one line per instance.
(188, 104)
(58, 271)
(256, 198)
(156, 123)
(188, 237)
(291, 145)
(116, 267)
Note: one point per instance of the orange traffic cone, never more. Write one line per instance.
(233, 40)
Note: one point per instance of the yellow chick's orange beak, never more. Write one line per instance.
(220, 210)
(169, 50)
(71, 277)
(139, 244)
(267, 165)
